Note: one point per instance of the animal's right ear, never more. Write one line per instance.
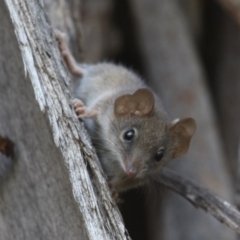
(140, 103)
(181, 132)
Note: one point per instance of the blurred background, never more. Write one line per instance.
(189, 52)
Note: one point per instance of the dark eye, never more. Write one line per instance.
(129, 135)
(159, 155)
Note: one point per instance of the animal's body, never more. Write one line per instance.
(132, 133)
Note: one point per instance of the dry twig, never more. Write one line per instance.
(203, 198)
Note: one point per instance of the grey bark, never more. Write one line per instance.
(50, 194)
(175, 72)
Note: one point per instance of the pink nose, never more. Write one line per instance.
(131, 172)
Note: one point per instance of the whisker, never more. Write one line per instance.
(123, 181)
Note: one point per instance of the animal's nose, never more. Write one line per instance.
(131, 172)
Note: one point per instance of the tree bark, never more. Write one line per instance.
(56, 190)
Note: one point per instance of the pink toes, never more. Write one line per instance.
(79, 107)
(82, 111)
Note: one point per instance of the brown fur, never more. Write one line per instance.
(117, 101)
(140, 103)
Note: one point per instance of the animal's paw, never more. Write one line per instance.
(81, 110)
(114, 194)
(79, 107)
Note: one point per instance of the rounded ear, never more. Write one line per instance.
(140, 103)
(181, 132)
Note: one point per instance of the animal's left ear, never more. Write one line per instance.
(140, 103)
(181, 132)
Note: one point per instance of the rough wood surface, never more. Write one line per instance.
(38, 201)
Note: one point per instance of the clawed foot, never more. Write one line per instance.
(81, 110)
(114, 193)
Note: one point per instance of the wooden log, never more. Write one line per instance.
(56, 189)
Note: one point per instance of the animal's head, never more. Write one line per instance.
(144, 140)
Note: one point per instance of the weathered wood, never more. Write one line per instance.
(50, 194)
